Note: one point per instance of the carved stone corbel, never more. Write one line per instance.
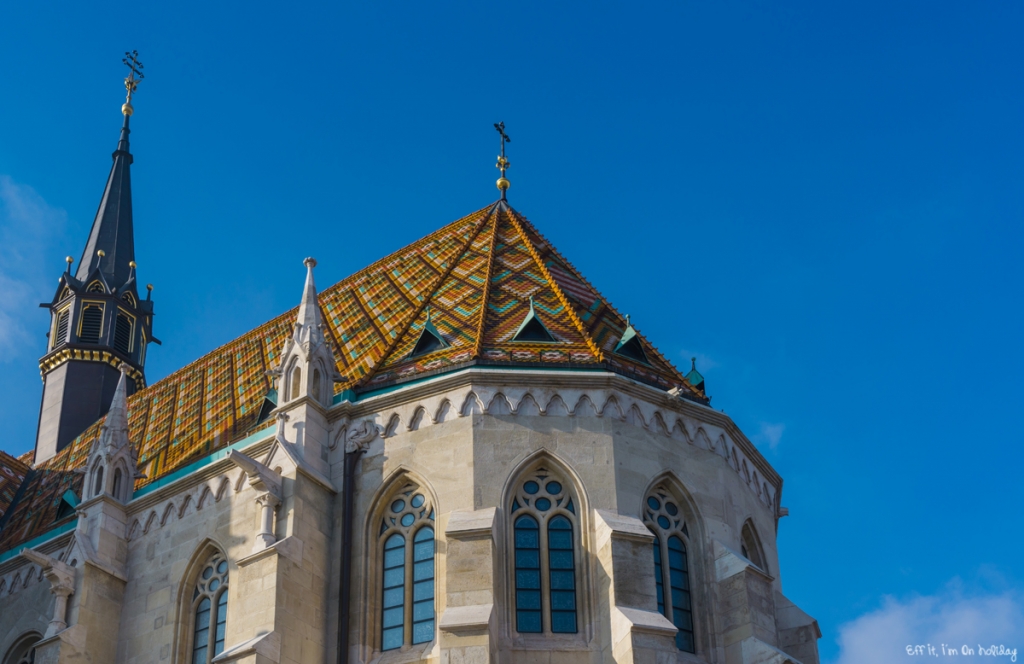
(267, 483)
(359, 436)
(62, 584)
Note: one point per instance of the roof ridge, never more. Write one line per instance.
(440, 279)
(571, 310)
(576, 273)
(489, 271)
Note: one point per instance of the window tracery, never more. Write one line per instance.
(209, 606)
(545, 530)
(664, 518)
(406, 537)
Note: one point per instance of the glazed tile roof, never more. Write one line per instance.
(12, 474)
(474, 278)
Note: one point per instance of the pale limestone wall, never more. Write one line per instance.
(467, 462)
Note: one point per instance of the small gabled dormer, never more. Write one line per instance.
(307, 367)
(629, 345)
(112, 467)
(532, 329)
(430, 339)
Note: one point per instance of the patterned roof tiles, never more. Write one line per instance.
(474, 277)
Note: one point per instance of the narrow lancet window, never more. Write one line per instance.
(544, 535)
(407, 572)
(210, 610)
(671, 567)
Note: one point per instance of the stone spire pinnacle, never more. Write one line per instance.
(114, 434)
(308, 332)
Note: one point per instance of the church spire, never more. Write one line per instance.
(112, 230)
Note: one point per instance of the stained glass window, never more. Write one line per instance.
(671, 569)
(210, 607)
(407, 572)
(544, 556)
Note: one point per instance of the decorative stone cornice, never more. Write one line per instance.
(55, 359)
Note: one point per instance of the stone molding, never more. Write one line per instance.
(458, 619)
(471, 524)
(266, 645)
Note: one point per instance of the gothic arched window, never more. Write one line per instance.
(209, 606)
(750, 546)
(296, 383)
(406, 538)
(24, 650)
(97, 485)
(544, 532)
(315, 388)
(671, 567)
(118, 480)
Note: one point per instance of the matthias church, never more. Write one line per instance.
(461, 454)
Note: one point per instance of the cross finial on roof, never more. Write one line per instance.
(131, 82)
(503, 163)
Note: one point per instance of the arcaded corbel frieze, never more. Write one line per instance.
(62, 584)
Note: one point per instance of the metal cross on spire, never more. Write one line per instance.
(503, 163)
(131, 82)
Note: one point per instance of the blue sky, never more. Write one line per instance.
(822, 203)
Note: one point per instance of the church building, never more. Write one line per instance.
(461, 454)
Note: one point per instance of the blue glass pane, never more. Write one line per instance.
(664, 522)
(563, 622)
(528, 579)
(528, 622)
(423, 632)
(560, 523)
(563, 600)
(526, 522)
(394, 597)
(554, 488)
(203, 614)
(527, 558)
(671, 509)
(394, 577)
(424, 535)
(423, 551)
(417, 500)
(528, 599)
(677, 578)
(398, 506)
(675, 544)
(683, 620)
(208, 572)
(562, 581)
(570, 507)
(392, 638)
(515, 505)
(214, 585)
(393, 617)
(561, 559)
(680, 599)
(407, 519)
(560, 539)
(684, 641)
(423, 590)
(202, 638)
(394, 557)
(422, 611)
(654, 503)
(531, 487)
(394, 541)
(199, 655)
(676, 559)
(543, 504)
(222, 567)
(424, 570)
(527, 539)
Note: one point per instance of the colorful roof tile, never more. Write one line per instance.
(477, 277)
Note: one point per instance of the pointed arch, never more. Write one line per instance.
(185, 503)
(204, 494)
(543, 525)
(527, 406)
(222, 488)
(444, 412)
(471, 405)
(400, 535)
(168, 511)
(635, 417)
(23, 649)
(611, 408)
(150, 520)
(133, 532)
(499, 405)
(750, 546)
(556, 407)
(584, 407)
(680, 557)
(417, 418)
(392, 425)
(199, 592)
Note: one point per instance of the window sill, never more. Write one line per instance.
(416, 653)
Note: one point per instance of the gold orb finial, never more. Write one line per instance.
(132, 264)
(126, 109)
(503, 184)
(69, 260)
(149, 287)
(101, 253)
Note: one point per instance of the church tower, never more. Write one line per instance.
(98, 321)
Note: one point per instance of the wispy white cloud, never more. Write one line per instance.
(770, 434)
(953, 617)
(28, 227)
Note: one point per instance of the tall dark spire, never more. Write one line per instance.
(112, 231)
(98, 322)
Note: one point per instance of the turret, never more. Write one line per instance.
(98, 321)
